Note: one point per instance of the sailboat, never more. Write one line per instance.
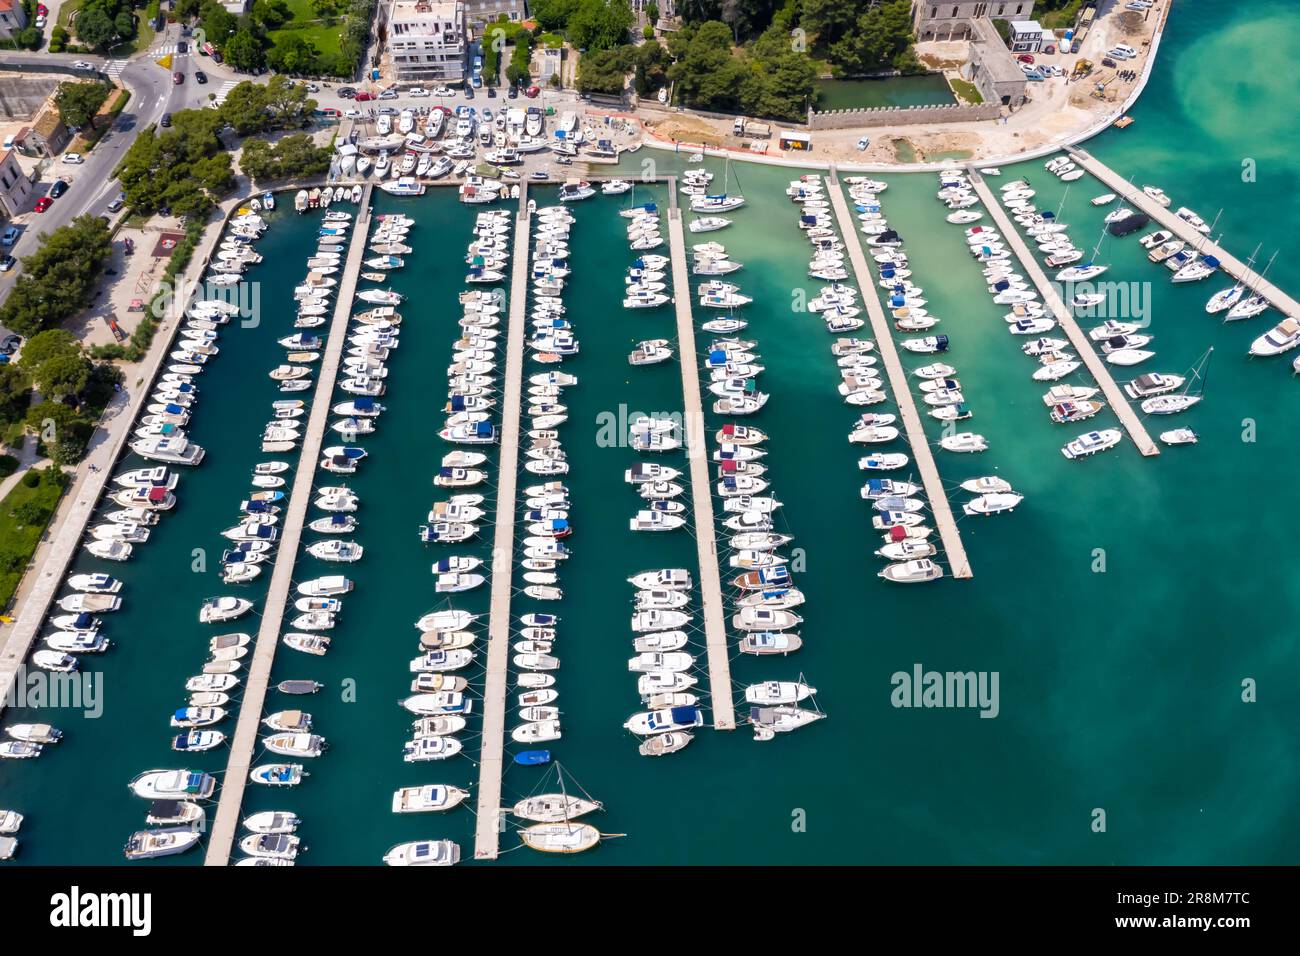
(1172, 404)
(1232, 295)
(1253, 304)
(719, 202)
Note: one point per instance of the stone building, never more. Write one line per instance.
(15, 185)
(954, 19)
(12, 18)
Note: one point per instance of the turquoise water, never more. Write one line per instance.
(928, 89)
(1120, 690)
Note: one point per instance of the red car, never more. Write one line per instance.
(532, 92)
(178, 78)
(363, 96)
(44, 203)
(1026, 58)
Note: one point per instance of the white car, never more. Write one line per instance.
(82, 65)
(73, 159)
(443, 91)
(353, 113)
(417, 91)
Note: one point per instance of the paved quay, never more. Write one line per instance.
(487, 832)
(1099, 370)
(245, 737)
(715, 625)
(922, 454)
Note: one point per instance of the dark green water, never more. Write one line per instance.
(928, 89)
(1119, 690)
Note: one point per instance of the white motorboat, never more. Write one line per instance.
(1092, 442)
(429, 798)
(917, 571)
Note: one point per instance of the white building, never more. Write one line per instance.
(426, 40)
(1028, 36)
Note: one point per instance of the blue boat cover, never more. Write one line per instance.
(485, 428)
(363, 404)
(685, 715)
(457, 403)
(533, 758)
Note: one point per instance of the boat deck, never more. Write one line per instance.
(1099, 370)
(1230, 264)
(715, 628)
(487, 831)
(922, 453)
(244, 739)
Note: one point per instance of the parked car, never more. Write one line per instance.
(200, 76)
(44, 203)
(347, 92)
(1026, 58)
(10, 236)
(532, 92)
(513, 94)
(72, 159)
(166, 120)
(1050, 49)
(58, 188)
(7, 263)
(1107, 61)
(12, 342)
(388, 94)
(353, 113)
(469, 92)
(492, 92)
(444, 91)
(417, 91)
(116, 204)
(178, 78)
(362, 96)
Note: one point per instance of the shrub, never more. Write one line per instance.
(8, 465)
(31, 478)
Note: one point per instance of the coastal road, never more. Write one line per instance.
(92, 186)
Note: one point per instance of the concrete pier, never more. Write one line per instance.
(1099, 370)
(922, 454)
(1234, 267)
(715, 625)
(244, 740)
(487, 831)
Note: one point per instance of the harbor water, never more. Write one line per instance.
(1135, 611)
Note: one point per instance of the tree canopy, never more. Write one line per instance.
(184, 168)
(79, 102)
(293, 157)
(58, 277)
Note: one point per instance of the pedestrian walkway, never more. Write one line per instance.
(224, 90)
(114, 68)
(168, 50)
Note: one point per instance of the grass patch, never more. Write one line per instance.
(966, 91)
(1062, 18)
(326, 40)
(24, 515)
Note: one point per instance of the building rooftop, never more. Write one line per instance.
(1026, 26)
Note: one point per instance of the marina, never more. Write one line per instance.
(954, 551)
(1097, 583)
(244, 739)
(1100, 373)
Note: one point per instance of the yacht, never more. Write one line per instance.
(424, 853)
(1091, 443)
(992, 503)
(1281, 338)
(1156, 383)
(432, 797)
(173, 785)
(165, 841)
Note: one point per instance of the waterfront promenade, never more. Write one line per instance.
(487, 831)
(715, 628)
(1099, 370)
(279, 591)
(922, 454)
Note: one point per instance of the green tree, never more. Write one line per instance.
(881, 40)
(95, 28)
(244, 51)
(59, 277)
(79, 102)
(273, 14)
(219, 25)
(600, 24)
(553, 14)
(604, 71)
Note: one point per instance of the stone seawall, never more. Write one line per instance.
(902, 115)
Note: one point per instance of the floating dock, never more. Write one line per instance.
(715, 625)
(1184, 230)
(940, 507)
(487, 831)
(243, 741)
(1099, 370)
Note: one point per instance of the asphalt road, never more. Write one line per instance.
(92, 186)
